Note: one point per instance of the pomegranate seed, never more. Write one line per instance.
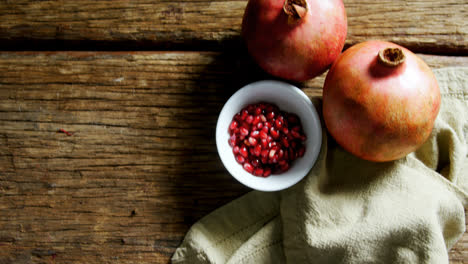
(272, 153)
(285, 130)
(257, 150)
(244, 114)
(244, 131)
(284, 167)
(276, 170)
(266, 128)
(269, 139)
(248, 167)
(274, 159)
(258, 111)
(256, 120)
(264, 160)
(232, 140)
(264, 143)
(258, 172)
(292, 154)
(249, 119)
(263, 118)
(260, 125)
(246, 142)
(280, 154)
(296, 128)
(301, 151)
(266, 172)
(295, 134)
(270, 115)
(293, 119)
(233, 125)
(237, 117)
(281, 117)
(235, 150)
(251, 150)
(274, 133)
(240, 159)
(263, 135)
(243, 151)
(255, 163)
(255, 134)
(264, 153)
(293, 144)
(278, 124)
(285, 142)
(251, 108)
(252, 141)
(285, 121)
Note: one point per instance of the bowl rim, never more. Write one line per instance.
(316, 126)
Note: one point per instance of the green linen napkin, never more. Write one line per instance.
(349, 210)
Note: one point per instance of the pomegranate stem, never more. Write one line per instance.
(295, 9)
(391, 57)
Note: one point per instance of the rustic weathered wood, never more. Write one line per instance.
(428, 26)
(140, 165)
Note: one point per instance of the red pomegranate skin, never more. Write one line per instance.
(297, 51)
(376, 112)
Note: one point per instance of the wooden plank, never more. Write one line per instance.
(459, 253)
(140, 166)
(428, 26)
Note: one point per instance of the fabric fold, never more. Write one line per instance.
(217, 236)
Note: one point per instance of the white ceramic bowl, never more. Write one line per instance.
(288, 98)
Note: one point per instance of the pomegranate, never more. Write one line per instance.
(266, 140)
(295, 39)
(380, 101)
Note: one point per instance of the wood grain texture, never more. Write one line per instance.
(429, 26)
(140, 166)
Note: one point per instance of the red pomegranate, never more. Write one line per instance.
(295, 39)
(380, 101)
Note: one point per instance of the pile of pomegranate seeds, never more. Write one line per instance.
(266, 140)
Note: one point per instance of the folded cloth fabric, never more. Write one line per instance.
(348, 210)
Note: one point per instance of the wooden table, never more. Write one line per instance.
(139, 85)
